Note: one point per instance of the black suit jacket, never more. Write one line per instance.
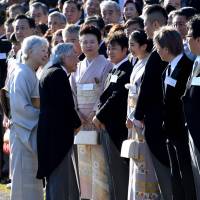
(5, 47)
(150, 106)
(113, 104)
(174, 120)
(191, 101)
(57, 120)
(103, 50)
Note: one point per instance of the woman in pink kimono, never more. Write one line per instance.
(143, 184)
(87, 85)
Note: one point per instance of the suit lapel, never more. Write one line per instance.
(163, 80)
(118, 72)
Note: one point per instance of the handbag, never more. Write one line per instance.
(87, 137)
(131, 147)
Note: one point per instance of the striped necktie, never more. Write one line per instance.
(169, 70)
(196, 69)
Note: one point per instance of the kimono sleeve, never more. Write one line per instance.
(22, 111)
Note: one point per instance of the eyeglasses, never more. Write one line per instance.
(179, 24)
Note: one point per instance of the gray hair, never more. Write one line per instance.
(37, 5)
(32, 42)
(58, 51)
(108, 3)
(61, 16)
(71, 29)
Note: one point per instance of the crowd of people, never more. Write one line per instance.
(100, 99)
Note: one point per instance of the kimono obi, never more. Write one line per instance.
(87, 94)
(132, 95)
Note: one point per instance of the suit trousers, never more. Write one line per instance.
(195, 156)
(163, 177)
(63, 183)
(183, 187)
(1, 144)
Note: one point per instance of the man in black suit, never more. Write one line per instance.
(58, 122)
(5, 47)
(169, 45)
(149, 105)
(112, 112)
(191, 98)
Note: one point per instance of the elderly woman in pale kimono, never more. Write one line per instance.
(142, 180)
(23, 93)
(87, 85)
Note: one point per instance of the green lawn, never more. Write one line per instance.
(4, 192)
(3, 188)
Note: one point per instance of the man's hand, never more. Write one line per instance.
(129, 123)
(97, 123)
(138, 123)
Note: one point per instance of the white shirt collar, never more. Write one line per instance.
(101, 43)
(65, 70)
(121, 62)
(175, 61)
(77, 23)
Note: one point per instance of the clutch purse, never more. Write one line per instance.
(87, 137)
(130, 149)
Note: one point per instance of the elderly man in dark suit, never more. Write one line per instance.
(58, 122)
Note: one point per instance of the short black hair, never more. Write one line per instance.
(118, 37)
(61, 1)
(78, 5)
(13, 38)
(141, 38)
(187, 12)
(30, 20)
(156, 12)
(2, 17)
(138, 6)
(42, 27)
(96, 19)
(194, 26)
(135, 20)
(89, 29)
(8, 21)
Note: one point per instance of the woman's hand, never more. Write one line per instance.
(97, 123)
(6, 122)
(129, 123)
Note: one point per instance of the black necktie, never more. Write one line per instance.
(169, 70)
(113, 70)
